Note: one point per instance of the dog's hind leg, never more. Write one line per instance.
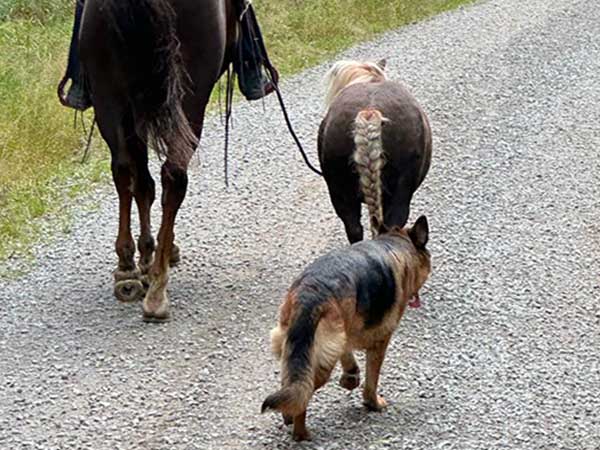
(300, 432)
(350, 379)
(322, 373)
(375, 356)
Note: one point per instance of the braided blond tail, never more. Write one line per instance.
(369, 159)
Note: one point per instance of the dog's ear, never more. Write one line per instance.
(419, 233)
(382, 63)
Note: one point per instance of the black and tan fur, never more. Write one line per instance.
(350, 299)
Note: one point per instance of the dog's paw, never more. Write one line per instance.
(350, 381)
(377, 404)
(302, 435)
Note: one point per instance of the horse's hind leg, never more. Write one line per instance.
(128, 286)
(144, 193)
(117, 135)
(174, 181)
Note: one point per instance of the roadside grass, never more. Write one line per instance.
(40, 150)
(303, 33)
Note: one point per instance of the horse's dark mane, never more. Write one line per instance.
(146, 33)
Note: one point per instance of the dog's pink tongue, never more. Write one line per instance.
(415, 302)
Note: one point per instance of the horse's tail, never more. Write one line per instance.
(154, 65)
(369, 158)
(308, 349)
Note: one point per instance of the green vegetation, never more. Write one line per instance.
(302, 33)
(41, 150)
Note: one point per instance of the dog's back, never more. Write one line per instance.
(363, 272)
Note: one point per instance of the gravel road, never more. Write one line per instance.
(505, 351)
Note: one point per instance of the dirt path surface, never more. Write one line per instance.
(505, 351)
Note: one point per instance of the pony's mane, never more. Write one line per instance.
(345, 73)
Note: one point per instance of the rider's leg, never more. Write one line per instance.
(77, 96)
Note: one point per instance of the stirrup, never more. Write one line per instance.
(77, 97)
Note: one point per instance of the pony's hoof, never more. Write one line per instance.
(122, 275)
(350, 381)
(175, 256)
(128, 291)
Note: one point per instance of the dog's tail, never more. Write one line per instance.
(308, 349)
(369, 158)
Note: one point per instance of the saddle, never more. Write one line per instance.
(256, 75)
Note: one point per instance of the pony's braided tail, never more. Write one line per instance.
(369, 159)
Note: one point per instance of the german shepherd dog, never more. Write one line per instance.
(374, 146)
(349, 299)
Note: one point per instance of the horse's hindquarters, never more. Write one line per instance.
(151, 65)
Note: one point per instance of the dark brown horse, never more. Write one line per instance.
(374, 147)
(152, 65)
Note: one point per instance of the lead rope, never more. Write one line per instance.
(274, 79)
(272, 74)
(228, 110)
(291, 129)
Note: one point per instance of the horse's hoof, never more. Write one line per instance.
(350, 381)
(122, 275)
(155, 308)
(145, 279)
(153, 319)
(144, 268)
(128, 291)
(175, 256)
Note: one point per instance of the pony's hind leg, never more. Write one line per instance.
(346, 202)
(397, 204)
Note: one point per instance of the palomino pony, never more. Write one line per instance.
(152, 65)
(374, 146)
